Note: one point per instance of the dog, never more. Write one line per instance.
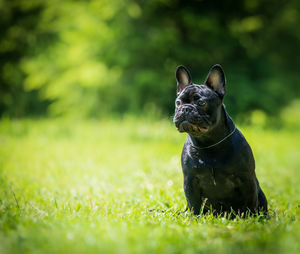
(217, 162)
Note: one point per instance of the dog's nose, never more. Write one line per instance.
(186, 110)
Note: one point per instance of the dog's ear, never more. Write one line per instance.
(183, 78)
(216, 80)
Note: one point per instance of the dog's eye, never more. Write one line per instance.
(177, 103)
(201, 103)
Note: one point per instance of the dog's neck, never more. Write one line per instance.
(224, 128)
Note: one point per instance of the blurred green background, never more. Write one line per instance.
(97, 58)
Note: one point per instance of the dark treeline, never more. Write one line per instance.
(96, 57)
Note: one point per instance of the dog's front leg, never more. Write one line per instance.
(192, 192)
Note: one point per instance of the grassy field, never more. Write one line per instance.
(115, 186)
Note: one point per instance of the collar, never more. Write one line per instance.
(219, 142)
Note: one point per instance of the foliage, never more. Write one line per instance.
(115, 186)
(93, 57)
(22, 35)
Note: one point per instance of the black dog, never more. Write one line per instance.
(217, 162)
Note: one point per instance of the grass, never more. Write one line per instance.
(87, 187)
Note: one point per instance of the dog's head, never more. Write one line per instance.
(198, 107)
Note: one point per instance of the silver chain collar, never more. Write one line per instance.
(197, 147)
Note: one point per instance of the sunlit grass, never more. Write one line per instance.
(115, 186)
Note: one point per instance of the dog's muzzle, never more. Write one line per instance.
(187, 119)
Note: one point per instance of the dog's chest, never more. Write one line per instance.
(213, 177)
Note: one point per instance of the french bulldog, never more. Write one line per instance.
(217, 162)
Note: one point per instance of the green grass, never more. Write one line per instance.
(87, 187)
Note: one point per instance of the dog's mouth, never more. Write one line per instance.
(186, 126)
